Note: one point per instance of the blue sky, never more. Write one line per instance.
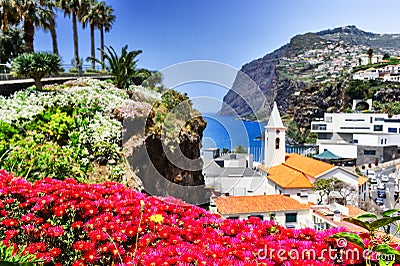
(227, 31)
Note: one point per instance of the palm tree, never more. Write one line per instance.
(8, 15)
(370, 53)
(93, 18)
(78, 9)
(107, 18)
(26, 12)
(123, 67)
(36, 66)
(47, 17)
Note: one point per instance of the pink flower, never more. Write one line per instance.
(55, 231)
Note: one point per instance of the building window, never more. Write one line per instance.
(277, 143)
(381, 141)
(392, 130)
(318, 126)
(258, 216)
(378, 127)
(291, 218)
(369, 152)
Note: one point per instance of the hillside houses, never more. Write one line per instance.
(389, 73)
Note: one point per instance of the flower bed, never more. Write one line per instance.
(68, 223)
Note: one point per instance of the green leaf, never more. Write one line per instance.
(366, 215)
(385, 249)
(383, 221)
(387, 213)
(350, 237)
(361, 223)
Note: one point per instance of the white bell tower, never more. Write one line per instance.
(275, 134)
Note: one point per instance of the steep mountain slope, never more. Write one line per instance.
(307, 76)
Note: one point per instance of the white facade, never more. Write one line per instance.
(303, 217)
(341, 150)
(349, 123)
(238, 186)
(275, 134)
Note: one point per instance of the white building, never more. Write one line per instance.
(283, 209)
(365, 137)
(232, 174)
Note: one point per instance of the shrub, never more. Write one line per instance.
(36, 66)
(73, 70)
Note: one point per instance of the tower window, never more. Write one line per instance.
(277, 144)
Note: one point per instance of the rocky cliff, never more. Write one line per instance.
(307, 76)
(165, 156)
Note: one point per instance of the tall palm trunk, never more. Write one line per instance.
(102, 46)
(76, 48)
(29, 33)
(92, 48)
(54, 36)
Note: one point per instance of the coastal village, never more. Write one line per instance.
(102, 163)
(360, 150)
(281, 187)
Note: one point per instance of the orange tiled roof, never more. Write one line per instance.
(257, 204)
(309, 166)
(287, 177)
(354, 211)
(362, 180)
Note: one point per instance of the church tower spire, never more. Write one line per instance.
(275, 144)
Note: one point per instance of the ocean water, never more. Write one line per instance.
(229, 132)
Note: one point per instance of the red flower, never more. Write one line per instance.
(55, 252)
(79, 262)
(10, 234)
(10, 222)
(91, 256)
(27, 218)
(77, 224)
(82, 245)
(97, 235)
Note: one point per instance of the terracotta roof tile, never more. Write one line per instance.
(257, 204)
(308, 166)
(287, 177)
(354, 211)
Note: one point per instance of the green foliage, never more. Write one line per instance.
(386, 56)
(390, 108)
(11, 44)
(36, 66)
(357, 90)
(123, 67)
(35, 158)
(296, 136)
(324, 186)
(73, 70)
(9, 255)
(239, 149)
(91, 70)
(54, 124)
(373, 224)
